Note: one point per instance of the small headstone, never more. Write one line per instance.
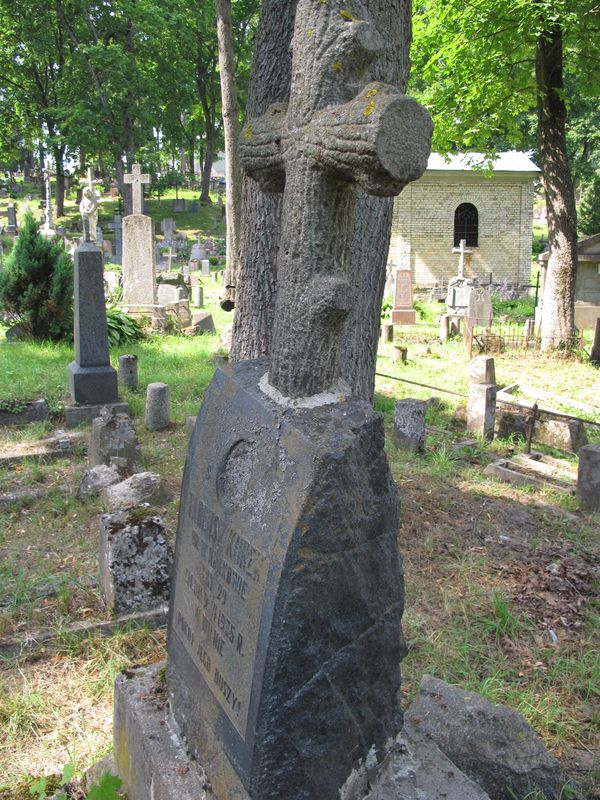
(403, 312)
(588, 477)
(203, 321)
(409, 424)
(113, 437)
(481, 402)
(479, 312)
(178, 205)
(198, 296)
(11, 225)
(128, 371)
(158, 408)
(482, 370)
(168, 227)
(135, 561)
(92, 380)
(205, 267)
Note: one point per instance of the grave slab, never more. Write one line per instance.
(34, 411)
(85, 415)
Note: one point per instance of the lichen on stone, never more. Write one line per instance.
(337, 66)
(248, 132)
(369, 109)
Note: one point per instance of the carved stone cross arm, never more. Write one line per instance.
(380, 140)
(137, 179)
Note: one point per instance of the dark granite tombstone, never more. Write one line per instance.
(285, 637)
(92, 380)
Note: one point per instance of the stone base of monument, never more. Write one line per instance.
(404, 317)
(152, 760)
(155, 314)
(93, 385)
(85, 415)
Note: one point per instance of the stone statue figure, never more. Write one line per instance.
(89, 208)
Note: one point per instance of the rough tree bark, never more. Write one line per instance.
(559, 291)
(257, 278)
(233, 171)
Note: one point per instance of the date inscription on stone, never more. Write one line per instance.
(217, 606)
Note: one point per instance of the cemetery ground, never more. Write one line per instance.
(500, 580)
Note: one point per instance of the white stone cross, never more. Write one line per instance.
(463, 252)
(137, 179)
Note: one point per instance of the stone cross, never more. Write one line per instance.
(137, 179)
(170, 256)
(336, 133)
(461, 261)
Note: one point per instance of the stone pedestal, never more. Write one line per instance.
(128, 371)
(403, 312)
(139, 261)
(588, 477)
(481, 402)
(285, 635)
(158, 408)
(92, 381)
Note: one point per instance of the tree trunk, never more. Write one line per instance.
(257, 282)
(207, 167)
(261, 213)
(559, 291)
(60, 181)
(233, 170)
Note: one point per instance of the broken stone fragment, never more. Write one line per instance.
(492, 744)
(143, 487)
(113, 436)
(135, 561)
(97, 479)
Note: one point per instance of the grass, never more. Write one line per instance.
(466, 620)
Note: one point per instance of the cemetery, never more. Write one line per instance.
(286, 512)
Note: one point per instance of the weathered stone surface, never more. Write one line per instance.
(511, 423)
(588, 477)
(135, 561)
(85, 415)
(150, 758)
(113, 436)
(203, 321)
(191, 423)
(139, 261)
(128, 371)
(158, 406)
(97, 479)
(568, 434)
(482, 370)
(143, 487)
(416, 769)
(491, 744)
(34, 411)
(409, 424)
(285, 636)
(481, 409)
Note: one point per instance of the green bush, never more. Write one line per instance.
(36, 287)
(121, 328)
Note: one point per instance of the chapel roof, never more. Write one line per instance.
(509, 161)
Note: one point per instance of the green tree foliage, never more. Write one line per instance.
(589, 208)
(36, 287)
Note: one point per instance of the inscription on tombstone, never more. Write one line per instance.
(403, 312)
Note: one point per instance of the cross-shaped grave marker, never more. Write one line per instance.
(335, 133)
(137, 179)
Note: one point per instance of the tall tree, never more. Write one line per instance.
(233, 170)
(479, 66)
(257, 282)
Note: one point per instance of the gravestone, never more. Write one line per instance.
(479, 312)
(139, 263)
(285, 616)
(588, 477)
(168, 227)
(481, 402)
(206, 267)
(117, 227)
(11, 225)
(403, 312)
(92, 380)
(178, 205)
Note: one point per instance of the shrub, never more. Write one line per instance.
(121, 328)
(36, 287)
(588, 213)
